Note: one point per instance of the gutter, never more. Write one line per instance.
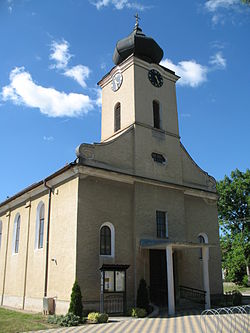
(47, 240)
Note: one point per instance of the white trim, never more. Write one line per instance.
(170, 280)
(112, 229)
(113, 174)
(39, 206)
(204, 236)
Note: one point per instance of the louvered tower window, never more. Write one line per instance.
(117, 117)
(156, 114)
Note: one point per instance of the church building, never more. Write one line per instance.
(133, 206)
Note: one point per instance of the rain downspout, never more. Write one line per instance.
(47, 240)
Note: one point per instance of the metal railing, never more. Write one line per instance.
(192, 294)
(113, 304)
(226, 320)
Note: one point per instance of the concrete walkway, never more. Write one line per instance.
(182, 324)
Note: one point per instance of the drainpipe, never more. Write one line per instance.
(28, 205)
(6, 255)
(47, 241)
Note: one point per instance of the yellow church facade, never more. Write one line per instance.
(133, 206)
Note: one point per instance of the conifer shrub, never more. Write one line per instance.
(142, 296)
(76, 301)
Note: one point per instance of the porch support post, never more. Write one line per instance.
(205, 258)
(170, 275)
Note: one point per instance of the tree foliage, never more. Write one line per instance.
(234, 218)
(76, 301)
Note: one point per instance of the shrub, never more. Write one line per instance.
(138, 312)
(142, 296)
(76, 301)
(68, 320)
(93, 317)
(245, 281)
(96, 317)
(54, 319)
(103, 318)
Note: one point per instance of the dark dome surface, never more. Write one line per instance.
(138, 44)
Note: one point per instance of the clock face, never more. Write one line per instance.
(116, 81)
(155, 78)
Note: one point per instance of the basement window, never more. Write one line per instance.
(159, 158)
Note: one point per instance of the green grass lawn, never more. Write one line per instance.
(229, 286)
(15, 321)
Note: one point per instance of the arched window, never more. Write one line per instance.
(16, 233)
(202, 238)
(156, 114)
(117, 117)
(107, 240)
(39, 226)
(1, 231)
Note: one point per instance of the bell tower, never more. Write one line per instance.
(138, 90)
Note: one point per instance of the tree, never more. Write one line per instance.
(246, 2)
(233, 209)
(76, 301)
(142, 296)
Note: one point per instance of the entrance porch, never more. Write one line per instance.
(164, 287)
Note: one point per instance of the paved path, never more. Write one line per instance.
(182, 324)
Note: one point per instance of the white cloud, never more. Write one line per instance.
(218, 9)
(79, 73)
(213, 5)
(60, 54)
(192, 74)
(218, 61)
(99, 97)
(119, 4)
(22, 90)
(48, 138)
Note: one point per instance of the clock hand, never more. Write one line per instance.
(157, 80)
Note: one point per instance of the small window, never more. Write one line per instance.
(105, 241)
(117, 117)
(1, 231)
(41, 227)
(159, 158)
(201, 241)
(16, 234)
(156, 115)
(161, 222)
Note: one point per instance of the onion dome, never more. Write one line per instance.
(138, 44)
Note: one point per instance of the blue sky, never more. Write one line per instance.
(54, 52)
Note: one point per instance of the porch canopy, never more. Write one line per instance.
(161, 244)
(168, 246)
